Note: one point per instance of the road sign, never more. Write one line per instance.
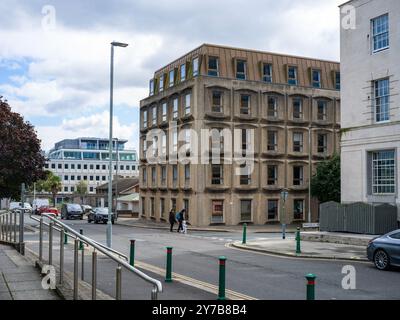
(310, 225)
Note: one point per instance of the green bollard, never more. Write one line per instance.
(65, 237)
(221, 290)
(311, 286)
(168, 276)
(298, 249)
(80, 242)
(244, 233)
(132, 254)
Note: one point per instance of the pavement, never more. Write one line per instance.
(148, 224)
(309, 249)
(19, 279)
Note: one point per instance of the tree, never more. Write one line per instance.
(325, 184)
(52, 184)
(82, 189)
(21, 159)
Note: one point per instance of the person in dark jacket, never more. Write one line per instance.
(172, 219)
(180, 218)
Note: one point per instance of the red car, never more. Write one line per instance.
(48, 210)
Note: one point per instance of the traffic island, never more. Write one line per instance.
(312, 250)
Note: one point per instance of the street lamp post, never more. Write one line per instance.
(110, 147)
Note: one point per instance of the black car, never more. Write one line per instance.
(71, 211)
(98, 215)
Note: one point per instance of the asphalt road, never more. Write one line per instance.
(257, 275)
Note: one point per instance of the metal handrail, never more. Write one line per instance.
(109, 252)
(8, 226)
(121, 255)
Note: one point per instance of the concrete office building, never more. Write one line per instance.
(370, 97)
(287, 107)
(87, 159)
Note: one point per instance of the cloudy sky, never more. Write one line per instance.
(54, 64)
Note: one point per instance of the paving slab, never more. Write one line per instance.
(19, 279)
(309, 249)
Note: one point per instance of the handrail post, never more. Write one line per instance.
(94, 274)
(51, 243)
(61, 256)
(15, 227)
(118, 283)
(41, 239)
(7, 227)
(83, 264)
(154, 293)
(76, 271)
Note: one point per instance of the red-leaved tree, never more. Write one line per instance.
(21, 160)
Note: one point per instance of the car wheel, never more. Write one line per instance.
(96, 221)
(89, 221)
(112, 221)
(381, 260)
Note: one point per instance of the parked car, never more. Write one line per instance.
(71, 210)
(384, 251)
(38, 203)
(48, 210)
(18, 206)
(100, 215)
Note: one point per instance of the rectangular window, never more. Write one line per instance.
(245, 179)
(164, 112)
(213, 66)
(382, 95)
(65, 189)
(162, 207)
(272, 111)
(154, 113)
(103, 178)
(297, 142)
(171, 78)
(241, 69)
(337, 80)
(65, 178)
(163, 175)
(59, 166)
(245, 140)
(245, 210)
(153, 175)
(144, 175)
(187, 173)
(272, 141)
(66, 166)
(272, 175)
(186, 207)
(292, 76)
(72, 178)
(217, 102)
(244, 104)
(53, 165)
(161, 84)
(175, 141)
(297, 108)
(316, 78)
(195, 66)
(188, 99)
(217, 174)
(383, 172)
(174, 173)
(297, 175)
(217, 213)
(175, 109)
(183, 72)
(72, 167)
(321, 110)
(72, 189)
(267, 72)
(145, 119)
(173, 203)
(143, 206)
(151, 87)
(164, 144)
(298, 209)
(380, 32)
(322, 143)
(273, 209)
(152, 207)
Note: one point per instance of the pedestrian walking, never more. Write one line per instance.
(172, 219)
(180, 218)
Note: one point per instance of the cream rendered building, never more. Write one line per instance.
(370, 70)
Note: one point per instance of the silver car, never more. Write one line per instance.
(384, 251)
